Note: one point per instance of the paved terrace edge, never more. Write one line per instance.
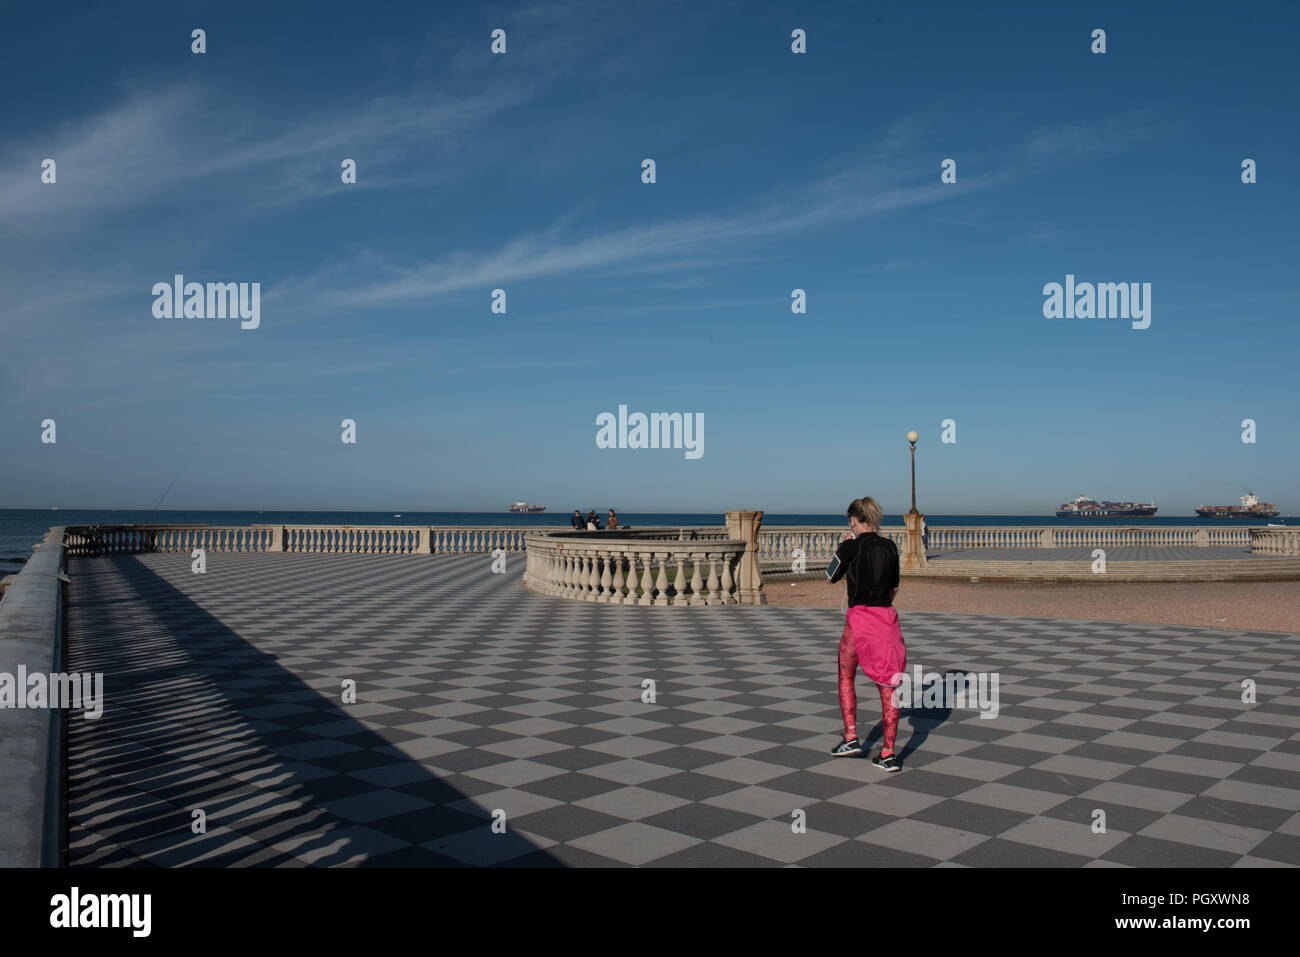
(31, 749)
(1126, 572)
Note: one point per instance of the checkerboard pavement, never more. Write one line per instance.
(223, 693)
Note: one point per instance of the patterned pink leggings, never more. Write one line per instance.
(849, 695)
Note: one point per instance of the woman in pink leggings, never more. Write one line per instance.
(871, 635)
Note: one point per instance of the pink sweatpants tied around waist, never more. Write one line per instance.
(879, 642)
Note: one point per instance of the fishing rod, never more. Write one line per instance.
(164, 495)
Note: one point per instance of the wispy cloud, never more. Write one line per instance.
(845, 191)
(855, 191)
(156, 149)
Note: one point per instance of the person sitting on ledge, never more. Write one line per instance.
(593, 523)
(577, 521)
(871, 635)
(613, 521)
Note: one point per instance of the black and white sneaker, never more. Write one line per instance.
(886, 764)
(847, 749)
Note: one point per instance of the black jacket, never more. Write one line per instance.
(578, 522)
(870, 563)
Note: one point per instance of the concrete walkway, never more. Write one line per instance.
(1114, 553)
(474, 696)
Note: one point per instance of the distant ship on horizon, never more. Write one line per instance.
(1085, 507)
(525, 508)
(1250, 507)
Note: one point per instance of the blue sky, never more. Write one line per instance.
(775, 171)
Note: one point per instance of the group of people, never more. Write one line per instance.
(591, 522)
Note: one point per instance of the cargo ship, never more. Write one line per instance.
(1250, 507)
(1084, 507)
(525, 508)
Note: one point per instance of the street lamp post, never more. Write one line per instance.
(914, 557)
(911, 440)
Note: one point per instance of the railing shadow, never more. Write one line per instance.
(197, 717)
(922, 721)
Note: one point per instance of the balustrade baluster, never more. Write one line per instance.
(697, 583)
(618, 578)
(713, 584)
(647, 581)
(661, 582)
(570, 577)
(584, 575)
(564, 570)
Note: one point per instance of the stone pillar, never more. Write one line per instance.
(426, 537)
(744, 526)
(1047, 538)
(1201, 538)
(277, 539)
(914, 556)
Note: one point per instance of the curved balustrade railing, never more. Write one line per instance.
(666, 533)
(1275, 541)
(646, 568)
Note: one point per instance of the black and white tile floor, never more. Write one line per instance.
(474, 696)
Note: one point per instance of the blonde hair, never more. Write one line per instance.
(867, 511)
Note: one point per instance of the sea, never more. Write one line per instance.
(20, 529)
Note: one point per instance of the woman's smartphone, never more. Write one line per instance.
(832, 568)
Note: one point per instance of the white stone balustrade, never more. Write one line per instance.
(1275, 541)
(641, 568)
(355, 539)
(460, 539)
(129, 539)
(333, 539)
(776, 544)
